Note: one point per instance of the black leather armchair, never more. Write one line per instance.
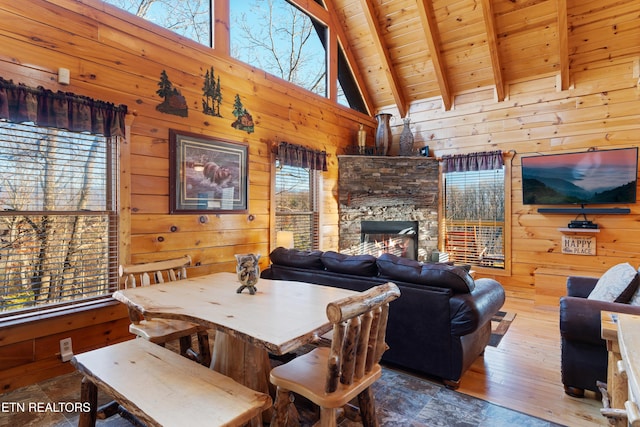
(584, 352)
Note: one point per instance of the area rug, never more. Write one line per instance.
(500, 323)
(407, 400)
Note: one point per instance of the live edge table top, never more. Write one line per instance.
(280, 317)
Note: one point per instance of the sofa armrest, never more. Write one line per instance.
(470, 311)
(580, 318)
(580, 286)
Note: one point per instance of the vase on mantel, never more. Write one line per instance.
(383, 134)
(406, 139)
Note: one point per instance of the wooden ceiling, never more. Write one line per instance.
(411, 50)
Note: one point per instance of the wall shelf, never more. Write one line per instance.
(578, 230)
(584, 211)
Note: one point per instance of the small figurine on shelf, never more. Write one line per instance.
(248, 271)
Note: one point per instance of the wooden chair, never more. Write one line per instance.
(161, 331)
(331, 377)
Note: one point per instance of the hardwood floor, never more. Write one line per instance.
(523, 372)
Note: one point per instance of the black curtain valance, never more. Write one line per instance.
(20, 103)
(297, 155)
(486, 160)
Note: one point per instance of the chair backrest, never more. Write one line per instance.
(359, 329)
(154, 272)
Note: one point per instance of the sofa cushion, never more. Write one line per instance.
(297, 258)
(359, 265)
(433, 274)
(618, 284)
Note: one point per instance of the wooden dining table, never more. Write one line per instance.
(279, 318)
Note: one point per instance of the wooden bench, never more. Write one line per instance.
(162, 388)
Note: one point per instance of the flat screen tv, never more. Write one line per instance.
(590, 177)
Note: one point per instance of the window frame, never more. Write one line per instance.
(111, 211)
(315, 198)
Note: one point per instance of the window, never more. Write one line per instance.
(474, 223)
(297, 205)
(282, 40)
(58, 216)
(189, 18)
(348, 93)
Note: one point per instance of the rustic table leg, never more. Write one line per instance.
(245, 363)
(88, 394)
(616, 382)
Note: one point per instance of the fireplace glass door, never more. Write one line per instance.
(398, 238)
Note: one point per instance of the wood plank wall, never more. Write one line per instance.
(116, 57)
(600, 110)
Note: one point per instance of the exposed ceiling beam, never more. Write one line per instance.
(492, 42)
(425, 8)
(313, 9)
(385, 58)
(563, 44)
(330, 18)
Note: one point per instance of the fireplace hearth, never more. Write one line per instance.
(398, 238)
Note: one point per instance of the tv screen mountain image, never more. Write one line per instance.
(591, 177)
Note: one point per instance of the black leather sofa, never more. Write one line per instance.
(438, 326)
(584, 352)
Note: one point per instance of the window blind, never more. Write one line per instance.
(296, 205)
(58, 216)
(474, 217)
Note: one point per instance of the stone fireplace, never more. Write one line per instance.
(388, 204)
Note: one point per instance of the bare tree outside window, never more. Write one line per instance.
(296, 205)
(474, 217)
(55, 216)
(189, 18)
(282, 40)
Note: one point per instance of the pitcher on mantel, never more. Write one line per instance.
(383, 134)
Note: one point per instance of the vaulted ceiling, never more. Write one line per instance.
(411, 50)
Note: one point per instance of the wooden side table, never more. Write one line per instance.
(629, 342)
(617, 389)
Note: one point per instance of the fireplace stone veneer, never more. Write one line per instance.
(382, 188)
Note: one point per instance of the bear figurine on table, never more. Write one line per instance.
(248, 271)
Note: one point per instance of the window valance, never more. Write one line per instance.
(299, 156)
(482, 161)
(20, 103)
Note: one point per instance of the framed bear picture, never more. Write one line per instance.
(206, 174)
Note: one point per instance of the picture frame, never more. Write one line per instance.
(206, 174)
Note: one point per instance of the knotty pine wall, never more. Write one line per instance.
(601, 110)
(116, 57)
